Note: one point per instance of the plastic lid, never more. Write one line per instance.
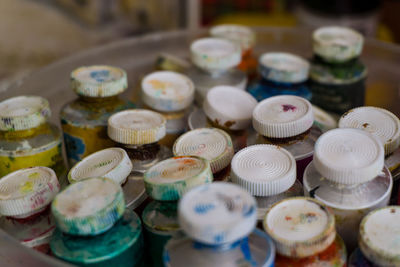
(264, 170)
(378, 121)
(113, 163)
(239, 34)
(167, 91)
(136, 127)
(23, 112)
(98, 81)
(229, 107)
(88, 207)
(27, 191)
(283, 67)
(323, 120)
(348, 156)
(210, 143)
(217, 213)
(214, 54)
(171, 178)
(283, 116)
(337, 44)
(300, 227)
(379, 236)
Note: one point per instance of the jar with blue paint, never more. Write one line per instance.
(281, 74)
(25, 206)
(166, 182)
(348, 175)
(219, 220)
(287, 121)
(138, 132)
(84, 120)
(93, 228)
(337, 75)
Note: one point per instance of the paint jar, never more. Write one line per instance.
(214, 60)
(243, 36)
(348, 175)
(384, 125)
(219, 220)
(287, 121)
(24, 206)
(138, 132)
(268, 172)
(210, 143)
(112, 163)
(281, 74)
(27, 139)
(84, 120)
(337, 75)
(93, 228)
(323, 120)
(304, 234)
(379, 239)
(165, 183)
(170, 62)
(171, 94)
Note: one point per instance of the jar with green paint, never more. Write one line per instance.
(337, 74)
(25, 206)
(27, 139)
(84, 120)
(93, 228)
(166, 182)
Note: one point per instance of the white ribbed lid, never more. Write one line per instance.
(113, 163)
(337, 44)
(379, 236)
(98, 81)
(348, 156)
(323, 120)
(214, 54)
(242, 35)
(136, 127)
(264, 170)
(377, 121)
(167, 91)
(210, 143)
(23, 112)
(229, 107)
(27, 191)
(283, 67)
(217, 213)
(300, 227)
(283, 116)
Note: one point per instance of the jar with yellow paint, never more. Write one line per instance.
(27, 139)
(138, 132)
(84, 120)
(171, 94)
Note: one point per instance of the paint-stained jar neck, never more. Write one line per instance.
(348, 62)
(30, 218)
(243, 244)
(285, 141)
(142, 152)
(43, 128)
(90, 100)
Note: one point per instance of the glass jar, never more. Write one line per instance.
(304, 234)
(169, 62)
(210, 143)
(138, 132)
(268, 172)
(245, 37)
(113, 163)
(84, 120)
(384, 125)
(93, 228)
(219, 220)
(379, 239)
(348, 175)
(171, 94)
(287, 121)
(165, 183)
(323, 120)
(337, 76)
(281, 74)
(213, 60)
(25, 206)
(27, 139)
